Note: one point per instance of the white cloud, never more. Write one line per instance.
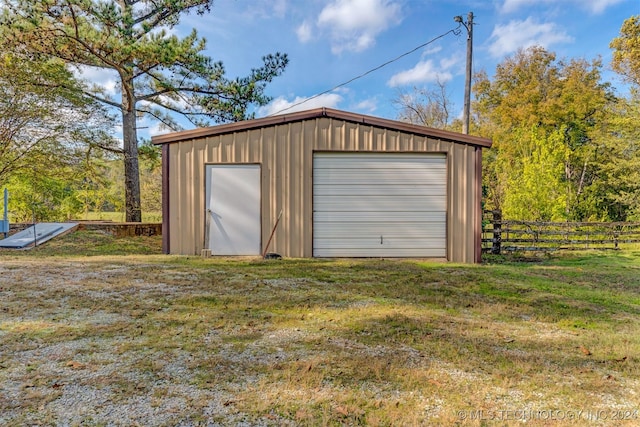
(595, 7)
(354, 24)
(265, 9)
(447, 63)
(423, 72)
(280, 7)
(106, 79)
(304, 32)
(431, 50)
(599, 6)
(276, 106)
(368, 105)
(508, 38)
(158, 128)
(511, 6)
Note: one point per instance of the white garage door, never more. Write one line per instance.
(379, 205)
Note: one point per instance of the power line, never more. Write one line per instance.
(455, 31)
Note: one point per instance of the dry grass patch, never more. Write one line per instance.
(90, 336)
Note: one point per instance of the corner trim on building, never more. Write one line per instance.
(166, 233)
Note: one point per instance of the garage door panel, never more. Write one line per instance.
(388, 203)
(349, 230)
(379, 253)
(379, 204)
(438, 189)
(380, 177)
(374, 243)
(398, 161)
(381, 216)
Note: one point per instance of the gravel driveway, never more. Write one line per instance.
(88, 342)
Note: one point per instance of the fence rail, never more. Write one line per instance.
(500, 235)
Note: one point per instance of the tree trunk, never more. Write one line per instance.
(131, 170)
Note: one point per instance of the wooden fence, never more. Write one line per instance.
(500, 235)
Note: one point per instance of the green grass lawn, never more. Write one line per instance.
(330, 342)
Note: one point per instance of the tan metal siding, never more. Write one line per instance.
(184, 189)
(461, 204)
(285, 152)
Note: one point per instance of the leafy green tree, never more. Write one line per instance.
(95, 188)
(43, 124)
(38, 198)
(533, 90)
(45, 127)
(626, 51)
(521, 93)
(536, 190)
(620, 136)
(619, 161)
(159, 73)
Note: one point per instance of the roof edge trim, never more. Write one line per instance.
(317, 113)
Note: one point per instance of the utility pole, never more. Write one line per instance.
(467, 84)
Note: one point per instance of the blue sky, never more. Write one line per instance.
(331, 41)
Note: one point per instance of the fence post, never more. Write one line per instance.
(496, 242)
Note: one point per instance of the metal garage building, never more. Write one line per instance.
(347, 185)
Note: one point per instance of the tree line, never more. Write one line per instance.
(566, 146)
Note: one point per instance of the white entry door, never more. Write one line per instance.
(233, 209)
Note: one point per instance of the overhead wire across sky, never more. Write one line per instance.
(456, 31)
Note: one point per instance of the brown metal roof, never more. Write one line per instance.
(318, 113)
